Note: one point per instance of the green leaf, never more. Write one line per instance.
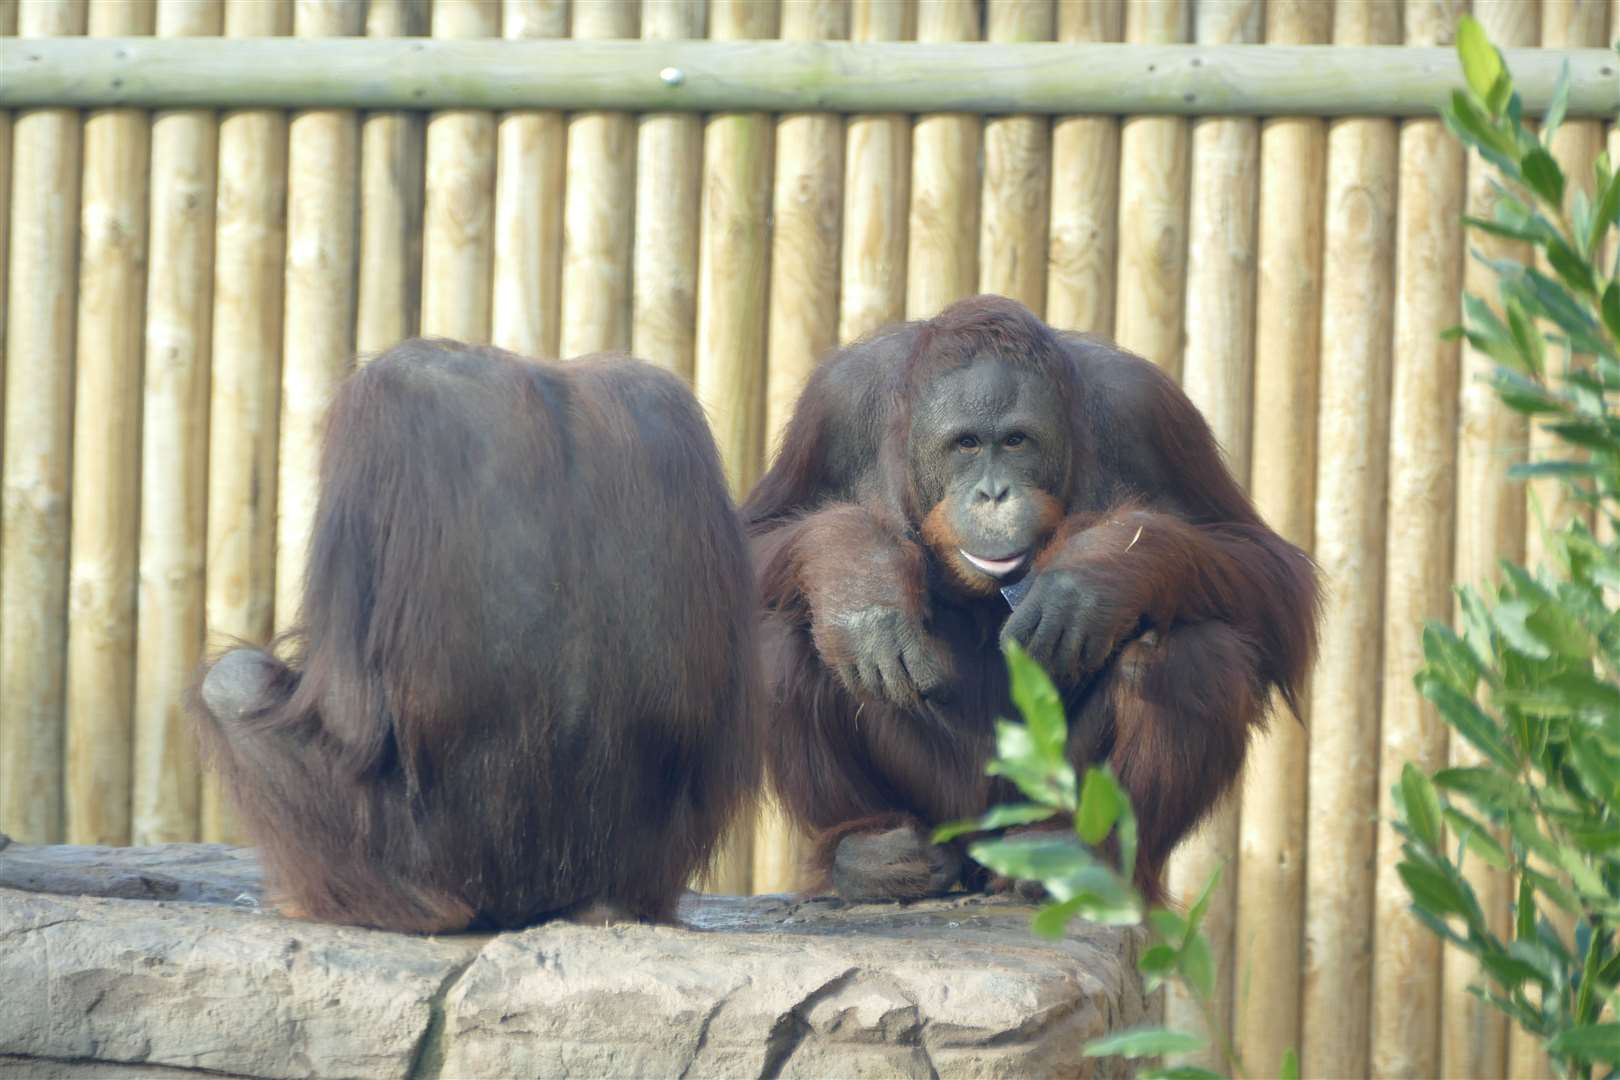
(1470, 721)
(1195, 914)
(1481, 63)
(1422, 805)
(1042, 857)
(1145, 1042)
(1476, 838)
(1169, 925)
(1474, 128)
(1606, 213)
(1567, 469)
(1157, 960)
(1179, 1072)
(1571, 268)
(1021, 761)
(1100, 802)
(997, 817)
(1104, 896)
(1501, 94)
(1450, 658)
(1290, 1065)
(1198, 965)
(1591, 1042)
(1037, 699)
(1052, 919)
(1432, 890)
(1524, 913)
(1532, 346)
(1545, 178)
(1611, 304)
(1489, 789)
(1560, 104)
(1512, 621)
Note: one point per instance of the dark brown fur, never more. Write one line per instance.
(523, 685)
(1209, 609)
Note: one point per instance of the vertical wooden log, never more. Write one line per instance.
(1153, 207)
(530, 144)
(1352, 424)
(1017, 169)
(1267, 955)
(877, 174)
(942, 234)
(8, 27)
(174, 451)
(802, 324)
(106, 458)
(457, 237)
(388, 304)
(1422, 484)
(34, 488)
(1082, 245)
(733, 262)
(1490, 527)
(318, 330)
(1218, 372)
(1549, 504)
(250, 232)
(1565, 24)
(669, 164)
(600, 202)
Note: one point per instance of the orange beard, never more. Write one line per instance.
(947, 545)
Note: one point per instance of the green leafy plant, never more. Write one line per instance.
(1531, 676)
(1080, 879)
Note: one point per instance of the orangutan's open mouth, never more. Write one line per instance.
(996, 567)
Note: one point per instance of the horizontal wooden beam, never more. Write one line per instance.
(773, 76)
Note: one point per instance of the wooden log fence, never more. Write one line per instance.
(210, 209)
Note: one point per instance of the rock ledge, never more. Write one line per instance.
(159, 962)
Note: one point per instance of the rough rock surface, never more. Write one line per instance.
(158, 962)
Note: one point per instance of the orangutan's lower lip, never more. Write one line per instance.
(996, 567)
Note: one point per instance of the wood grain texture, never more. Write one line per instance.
(389, 298)
(174, 452)
(942, 233)
(35, 483)
(1550, 504)
(1017, 174)
(1268, 936)
(106, 458)
(1153, 168)
(733, 286)
(1422, 486)
(669, 168)
(530, 179)
(1352, 424)
(1146, 79)
(8, 26)
(1490, 527)
(1218, 375)
(1083, 242)
(597, 214)
(877, 178)
(801, 327)
(250, 235)
(322, 151)
(458, 223)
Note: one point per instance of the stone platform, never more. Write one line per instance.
(159, 962)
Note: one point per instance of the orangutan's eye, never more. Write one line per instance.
(967, 443)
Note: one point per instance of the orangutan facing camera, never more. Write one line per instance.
(949, 485)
